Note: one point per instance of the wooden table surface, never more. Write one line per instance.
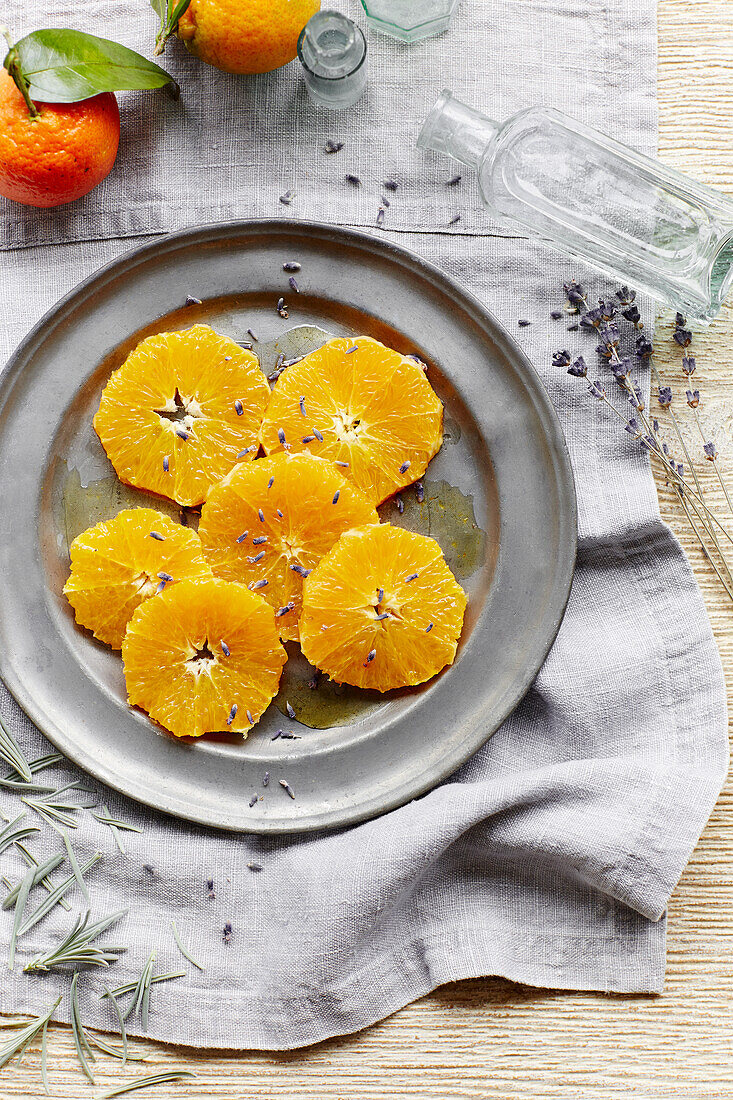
(490, 1039)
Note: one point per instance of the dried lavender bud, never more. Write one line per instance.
(333, 146)
(391, 185)
(287, 198)
(579, 368)
(380, 217)
(644, 347)
(352, 179)
(281, 308)
(289, 710)
(556, 314)
(625, 296)
(682, 336)
(664, 396)
(291, 266)
(609, 334)
(693, 398)
(523, 323)
(574, 293)
(253, 801)
(293, 285)
(400, 503)
(191, 301)
(679, 320)
(250, 333)
(453, 181)
(688, 365)
(561, 358)
(286, 787)
(156, 535)
(265, 779)
(455, 219)
(607, 309)
(385, 201)
(633, 426)
(636, 397)
(254, 866)
(227, 933)
(419, 492)
(632, 314)
(621, 368)
(710, 452)
(681, 469)
(590, 320)
(595, 389)
(573, 328)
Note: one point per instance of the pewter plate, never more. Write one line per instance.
(499, 497)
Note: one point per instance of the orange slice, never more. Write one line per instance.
(204, 656)
(179, 413)
(371, 408)
(269, 522)
(118, 564)
(382, 609)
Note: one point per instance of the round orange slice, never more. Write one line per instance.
(181, 411)
(269, 522)
(382, 609)
(121, 562)
(359, 403)
(204, 656)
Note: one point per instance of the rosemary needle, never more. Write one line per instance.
(11, 753)
(83, 1050)
(144, 1083)
(182, 949)
(39, 871)
(129, 986)
(47, 905)
(20, 904)
(75, 867)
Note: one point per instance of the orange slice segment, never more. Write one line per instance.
(204, 656)
(382, 609)
(179, 413)
(118, 564)
(371, 408)
(269, 522)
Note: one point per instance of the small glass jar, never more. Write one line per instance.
(332, 51)
(410, 20)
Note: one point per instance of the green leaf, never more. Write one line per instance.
(64, 66)
(160, 7)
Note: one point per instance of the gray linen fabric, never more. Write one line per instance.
(550, 856)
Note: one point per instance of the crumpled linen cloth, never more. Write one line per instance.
(549, 857)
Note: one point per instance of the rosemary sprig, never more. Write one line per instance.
(145, 1082)
(46, 883)
(19, 1043)
(115, 825)
(78, 947)
(13, 832)
(83, 1050)
(141, 993)
(182, 949)
(12, 754)
(53, 898)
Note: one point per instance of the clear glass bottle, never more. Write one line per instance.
(332, 51)
(409, 20)
(647, 225)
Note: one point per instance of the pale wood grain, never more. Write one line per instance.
(491, 1039)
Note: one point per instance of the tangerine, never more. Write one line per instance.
(120, 563)
(255, 37)
(202, 657)
(181, 411)
(60, 155)
(359, 403)
(382, 609)
(269, 522)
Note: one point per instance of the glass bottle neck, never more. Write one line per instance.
(457, 130)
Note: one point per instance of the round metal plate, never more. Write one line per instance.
(504, 460)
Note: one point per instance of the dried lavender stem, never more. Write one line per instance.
(714, 461)
(700, 539)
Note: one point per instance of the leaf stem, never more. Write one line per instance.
(12, 64)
